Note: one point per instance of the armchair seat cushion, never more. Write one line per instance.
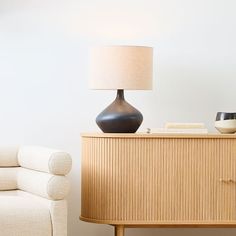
(20, 216)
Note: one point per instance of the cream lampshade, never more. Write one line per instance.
(119, 68)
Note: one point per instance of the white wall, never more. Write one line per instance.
(44, 98)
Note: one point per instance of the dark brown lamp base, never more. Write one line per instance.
(119, 116)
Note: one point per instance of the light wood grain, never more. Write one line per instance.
(119, 230)
(161, 181)
(156, 135)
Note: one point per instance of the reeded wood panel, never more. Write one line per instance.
(162, 180)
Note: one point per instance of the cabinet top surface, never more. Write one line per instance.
(155, 135)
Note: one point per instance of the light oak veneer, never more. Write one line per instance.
(144, 180)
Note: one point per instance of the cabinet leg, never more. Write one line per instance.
(119, 230)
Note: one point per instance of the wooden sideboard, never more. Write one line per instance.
(147, 180)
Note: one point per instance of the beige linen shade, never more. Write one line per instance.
(121, 67)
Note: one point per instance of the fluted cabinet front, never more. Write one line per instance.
(159, 180)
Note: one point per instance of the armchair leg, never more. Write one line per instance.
(119, 230)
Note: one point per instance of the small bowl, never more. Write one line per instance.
(226, 122)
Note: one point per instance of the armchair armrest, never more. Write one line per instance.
(46, 185)
(44, 159)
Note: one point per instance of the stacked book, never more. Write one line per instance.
(181, 128)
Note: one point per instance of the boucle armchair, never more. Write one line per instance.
(33, 188)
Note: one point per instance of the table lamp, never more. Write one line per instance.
(120, 68)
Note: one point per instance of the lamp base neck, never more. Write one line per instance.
(120, 94)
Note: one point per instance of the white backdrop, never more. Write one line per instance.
(44, 98)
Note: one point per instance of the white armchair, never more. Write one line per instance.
(33, 188)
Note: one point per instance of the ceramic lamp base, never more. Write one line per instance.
(119, 116)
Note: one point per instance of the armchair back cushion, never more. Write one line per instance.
(34, 169)
(8, 168)
(8, 156)
(8, 178)
(45, 159)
